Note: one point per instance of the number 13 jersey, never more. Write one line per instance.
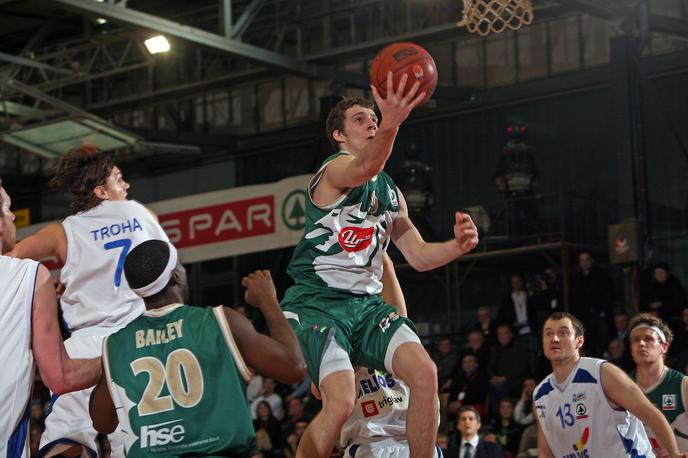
(96, 292)
(579, 422)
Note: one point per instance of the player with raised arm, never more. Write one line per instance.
(199, 356)
(353, 211)
(589, 408)
(28, 316)
(91, 245)
(666, 388)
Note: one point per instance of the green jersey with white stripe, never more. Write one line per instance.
(344, 242)
(177, 382)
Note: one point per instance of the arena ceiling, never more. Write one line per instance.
(83, 61)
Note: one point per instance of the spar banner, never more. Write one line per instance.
(230, 222)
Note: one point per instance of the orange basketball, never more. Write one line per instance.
(400, 59)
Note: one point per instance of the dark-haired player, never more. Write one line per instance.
(354, 210)
(174, 378)
(91, 245)
(28, 317)
(586, 408)
(666, 388)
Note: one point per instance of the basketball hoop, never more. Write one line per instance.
(495, 16)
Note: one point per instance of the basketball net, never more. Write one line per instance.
(495, 16)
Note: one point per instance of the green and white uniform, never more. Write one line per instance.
(668, 396)
(337, 268)
(177, 381)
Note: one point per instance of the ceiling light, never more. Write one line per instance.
(157, 44)
(101, 21)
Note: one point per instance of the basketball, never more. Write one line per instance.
(400, 59)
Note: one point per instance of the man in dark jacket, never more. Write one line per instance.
(470, 444)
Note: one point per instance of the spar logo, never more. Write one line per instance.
(162, 434)
(354, 239)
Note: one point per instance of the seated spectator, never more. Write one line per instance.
(665, 295)
(468, 423)
(267, 422)
(509, 366)
(528, 446)
(621, 326)
(263, 444)
(478, 347)
(295, 412)
(37, 414)
(505, 427)
(680, 346)
(268, 394)
(487, 325)
(294, 438)
(443, 443)
(469, 388)
(445, 359)
(618, 355)
(523, 412)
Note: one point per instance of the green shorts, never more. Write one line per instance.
(363, 326)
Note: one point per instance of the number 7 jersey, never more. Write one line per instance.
(579, 422)
(96, 292)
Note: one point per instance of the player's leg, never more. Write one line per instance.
(412, 364)
(338, 398)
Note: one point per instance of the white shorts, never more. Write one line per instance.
(387, 448)
(68, 422)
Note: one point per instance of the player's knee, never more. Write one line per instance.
(424, 377)
(340, 408)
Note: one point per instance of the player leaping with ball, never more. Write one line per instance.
(335, 306)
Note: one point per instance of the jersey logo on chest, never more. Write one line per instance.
(353, 239)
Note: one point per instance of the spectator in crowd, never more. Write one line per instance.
(665, 295)
(509, 366)
(680, 347)
(487, 325)
(592, 295)
(446, 360)
(621, 326)
(294, 438)
(516, 310)
(295, 413)
(547, 295)
(523, 411)
(505, 427)
(263, 445)
(469, 387)
(268, 394)
(266, 421)
(528, 446)
(37, 414)
(478, 347)
(469, 445)
(617, 353)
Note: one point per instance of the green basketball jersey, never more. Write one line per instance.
(343, 243)
(667, 396)
(176, 380)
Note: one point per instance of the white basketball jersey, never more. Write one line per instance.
(97, 294)
(17, 283)
(380, 412)
(579, 422)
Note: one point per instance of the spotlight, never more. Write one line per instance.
(157, 44)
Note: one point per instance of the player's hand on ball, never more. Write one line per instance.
(396, 107)
(259, 288)
(465, 232)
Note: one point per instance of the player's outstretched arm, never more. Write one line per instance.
(102, 409)
(623, 392)
(59, 372)
(424, 256)
(391, 289)
(49, 241)
(278, 356)
(351, 171)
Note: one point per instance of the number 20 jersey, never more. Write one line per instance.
(96, 292)
(579, 422)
